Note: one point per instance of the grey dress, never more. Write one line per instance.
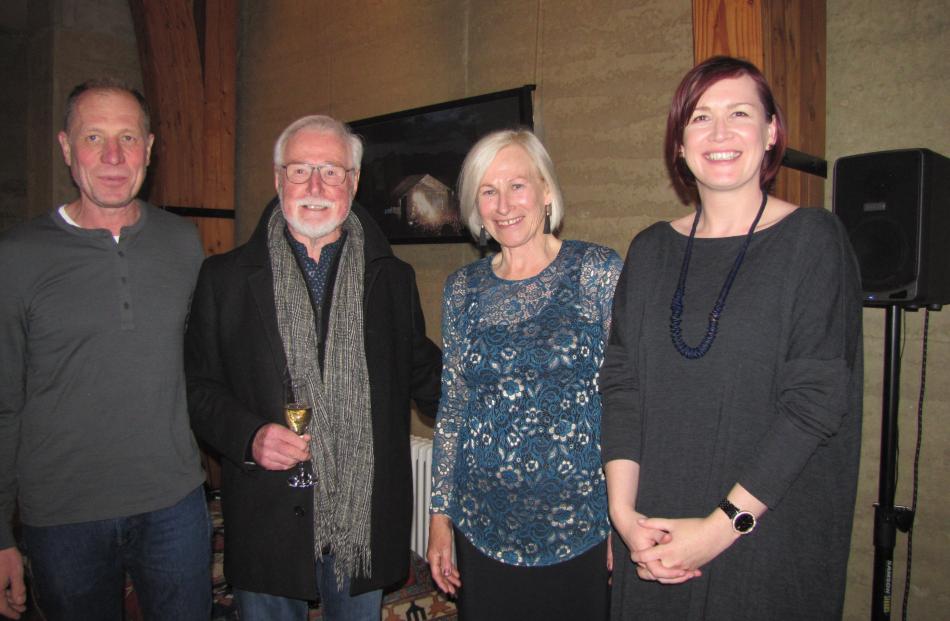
(774, 405)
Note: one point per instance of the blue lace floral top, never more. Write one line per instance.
(516, 462)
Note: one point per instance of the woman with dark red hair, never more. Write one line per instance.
(732, 379)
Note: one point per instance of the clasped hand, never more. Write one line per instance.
(672, 551)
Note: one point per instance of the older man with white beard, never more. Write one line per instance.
(315, 302)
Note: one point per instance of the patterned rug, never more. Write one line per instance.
(416, 600)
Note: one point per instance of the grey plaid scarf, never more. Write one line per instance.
(342, 442)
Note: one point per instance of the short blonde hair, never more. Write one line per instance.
(481, 156)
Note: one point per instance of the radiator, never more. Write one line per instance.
(420, 450)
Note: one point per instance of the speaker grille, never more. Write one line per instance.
(894, 206)
(884, 254)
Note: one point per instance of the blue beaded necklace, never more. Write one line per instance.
(676, 306)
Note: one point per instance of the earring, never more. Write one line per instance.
(547, 219)
(482, 239)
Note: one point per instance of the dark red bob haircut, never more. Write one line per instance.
(687, 95)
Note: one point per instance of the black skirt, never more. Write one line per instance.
(491, 590)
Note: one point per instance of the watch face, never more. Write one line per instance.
(744, 522)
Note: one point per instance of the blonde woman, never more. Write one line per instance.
(516, 472)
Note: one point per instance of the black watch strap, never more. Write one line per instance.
(743, 522)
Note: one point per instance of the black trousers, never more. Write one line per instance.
(576, 589)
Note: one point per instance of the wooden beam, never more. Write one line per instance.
(729, 28)
(190, 87)
(171, 72)
(220, 121)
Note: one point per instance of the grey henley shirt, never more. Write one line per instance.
(93, 417)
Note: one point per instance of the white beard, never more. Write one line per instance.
(312, 231)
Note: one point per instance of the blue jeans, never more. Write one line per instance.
(78, 570)
(337, 604)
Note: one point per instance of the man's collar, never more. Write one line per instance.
(328, 251)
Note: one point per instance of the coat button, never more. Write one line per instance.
(299, 512)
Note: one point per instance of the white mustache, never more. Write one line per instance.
(314, 202)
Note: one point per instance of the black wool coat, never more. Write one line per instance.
(234, 361)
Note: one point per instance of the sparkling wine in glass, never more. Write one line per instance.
(298, 415)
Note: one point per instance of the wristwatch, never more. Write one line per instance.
(742, 521)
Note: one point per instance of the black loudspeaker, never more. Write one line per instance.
(896, 208)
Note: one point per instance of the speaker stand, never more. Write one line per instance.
(888, 519)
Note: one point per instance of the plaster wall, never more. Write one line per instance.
(68, 41)
(888, 81)
(13, 54)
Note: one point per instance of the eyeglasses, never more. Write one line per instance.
(330, 174)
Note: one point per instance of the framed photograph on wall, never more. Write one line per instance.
(412, 159)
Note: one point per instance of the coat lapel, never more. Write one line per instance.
(255, 264)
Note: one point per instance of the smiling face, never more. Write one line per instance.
(315, 211)
(511, 198)
(727, 136)
(107, 148)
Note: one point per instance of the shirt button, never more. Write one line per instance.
(299, 512)
(125, 305)
(121, 253)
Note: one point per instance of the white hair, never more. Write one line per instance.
(481, 156)
(324, 124)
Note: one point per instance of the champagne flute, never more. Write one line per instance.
(297, 414)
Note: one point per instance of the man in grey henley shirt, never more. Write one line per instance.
(95, 444)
